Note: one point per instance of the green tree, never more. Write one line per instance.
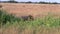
(13, 1)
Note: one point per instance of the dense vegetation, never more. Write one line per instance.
(5, 17)
(37, 25)
(48, 21)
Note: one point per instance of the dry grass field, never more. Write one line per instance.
(20, 9)
(36, 10)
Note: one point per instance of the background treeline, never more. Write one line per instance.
(41, 2)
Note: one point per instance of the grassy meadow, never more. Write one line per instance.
(46, 25)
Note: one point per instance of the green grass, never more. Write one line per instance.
(48, 21)
(38, 25)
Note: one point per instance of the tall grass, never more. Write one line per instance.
(7, 18)
(48, 21)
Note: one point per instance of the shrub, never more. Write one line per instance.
(4, 18)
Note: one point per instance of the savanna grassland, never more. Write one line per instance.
(47, 23)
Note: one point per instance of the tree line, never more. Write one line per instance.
(41, 2)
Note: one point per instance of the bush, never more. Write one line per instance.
(48, 21)
(4, 18)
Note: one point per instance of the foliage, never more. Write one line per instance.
(48, 21)
(4, 18)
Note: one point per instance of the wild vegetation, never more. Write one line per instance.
(4, 18)
(7, 20)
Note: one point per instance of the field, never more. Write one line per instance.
(48, 24)
(20, 9)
